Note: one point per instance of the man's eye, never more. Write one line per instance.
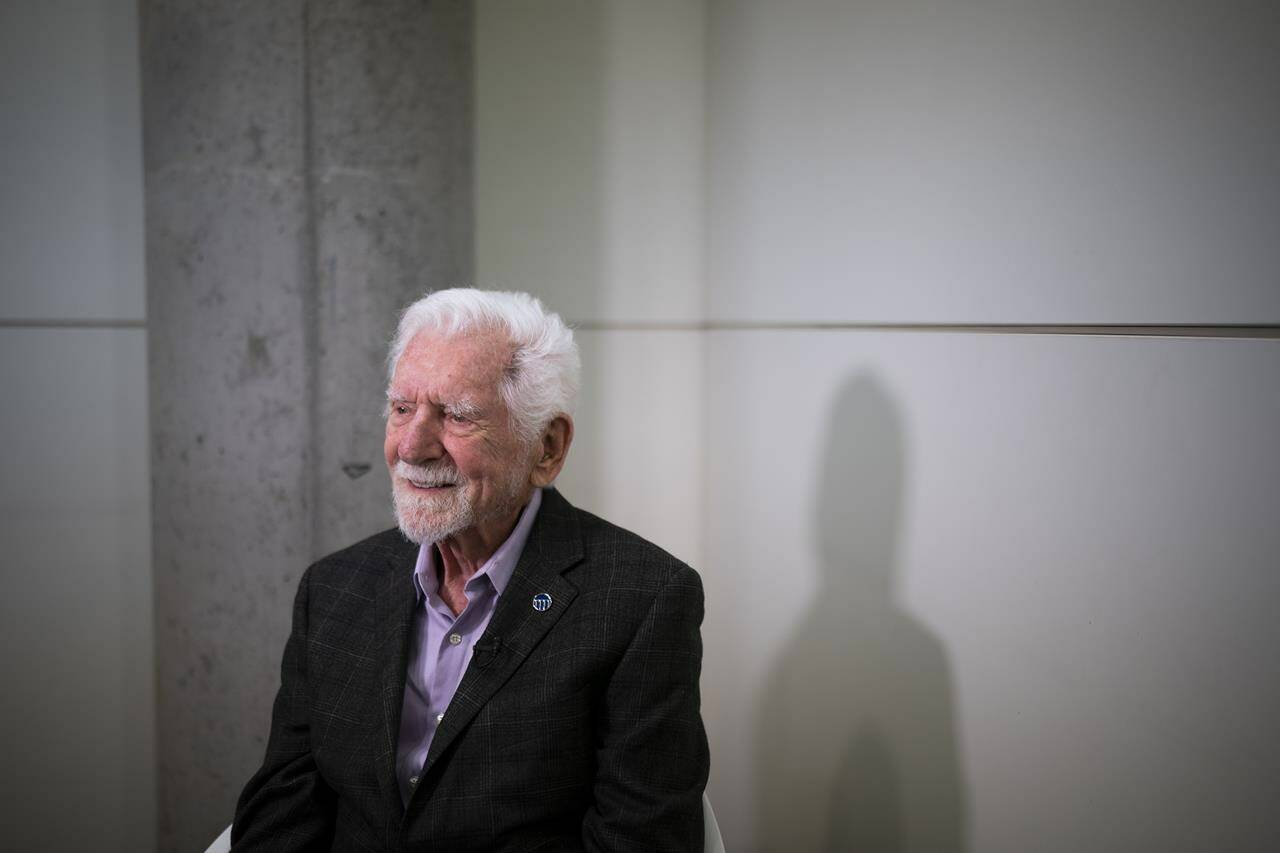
(456, 418)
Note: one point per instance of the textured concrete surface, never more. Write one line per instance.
(308, 172)
(391, 142)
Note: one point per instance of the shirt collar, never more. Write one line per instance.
(498, 568)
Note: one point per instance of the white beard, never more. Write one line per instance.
(430, 518)
(426, 519)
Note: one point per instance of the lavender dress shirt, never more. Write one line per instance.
(440, 644)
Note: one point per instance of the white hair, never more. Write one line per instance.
(541, 380)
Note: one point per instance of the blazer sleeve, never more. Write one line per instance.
(652, 757)
(286, 806)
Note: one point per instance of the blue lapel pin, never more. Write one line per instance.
(541, 602)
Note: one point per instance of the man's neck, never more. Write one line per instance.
(463, 554)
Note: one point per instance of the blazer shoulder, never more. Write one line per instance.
(371, 557)
(605, 544)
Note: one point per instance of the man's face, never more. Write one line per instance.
(456, 465)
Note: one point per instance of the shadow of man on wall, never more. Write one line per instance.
(856, 744)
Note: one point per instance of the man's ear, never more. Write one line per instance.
(553, 447)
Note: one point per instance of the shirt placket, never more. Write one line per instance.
(455, 643)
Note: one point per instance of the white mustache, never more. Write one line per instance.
(435, 474)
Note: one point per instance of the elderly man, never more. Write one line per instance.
(503, 671)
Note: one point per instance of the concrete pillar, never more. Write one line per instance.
(390, 151)
(308, 172)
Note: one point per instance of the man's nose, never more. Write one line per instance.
(420, 439)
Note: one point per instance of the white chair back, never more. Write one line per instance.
(221, 844)
(711, 840)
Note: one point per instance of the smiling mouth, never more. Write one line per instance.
(421, 484)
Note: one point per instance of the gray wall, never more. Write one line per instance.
(307, 175)
(77, 710)
(968, 588)
(589, 170)
(991, 161)
(995, 591)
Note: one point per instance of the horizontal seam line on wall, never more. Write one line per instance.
(42, 323)
(1263, 332)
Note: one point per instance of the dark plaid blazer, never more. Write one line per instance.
(574, 728)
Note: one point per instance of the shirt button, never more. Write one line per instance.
(413, 780)
(439, 717)
(454, 639)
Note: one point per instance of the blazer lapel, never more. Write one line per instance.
(393, 609)
(554, 545)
